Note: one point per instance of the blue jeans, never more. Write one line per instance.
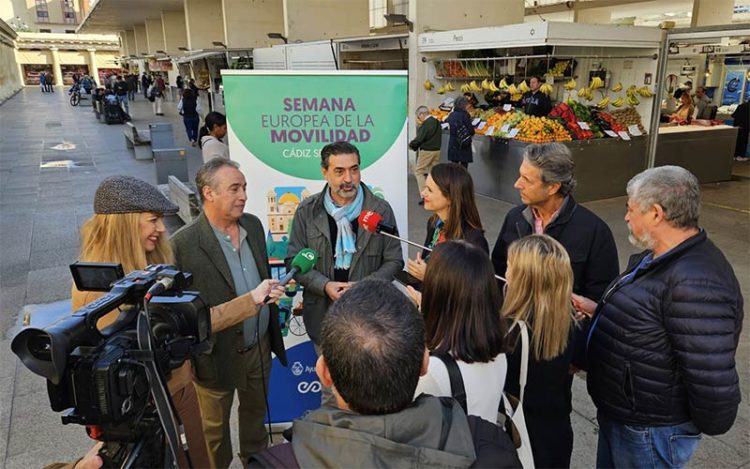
(633, 446)
(123, 99)
(191, 127)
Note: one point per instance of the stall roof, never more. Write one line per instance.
(116, 15)
(366, 43)
(540, 34)
(205, 53)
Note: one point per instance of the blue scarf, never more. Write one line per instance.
(346, 242)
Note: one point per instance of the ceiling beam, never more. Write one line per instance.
(573, 5)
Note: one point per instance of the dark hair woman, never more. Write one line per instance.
(213, 130)
(449, 195)
(188, 107)
(461, 303)
(461, 132)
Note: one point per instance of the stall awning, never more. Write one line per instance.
(204, 54)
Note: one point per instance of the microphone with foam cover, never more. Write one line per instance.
(302, 263)
(373, 222)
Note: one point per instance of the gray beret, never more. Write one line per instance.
(125, 194)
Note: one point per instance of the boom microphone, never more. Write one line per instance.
(302, 263)
(373, 222)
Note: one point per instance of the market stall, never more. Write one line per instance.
(387, 52)
(718, 59)
(599, 79)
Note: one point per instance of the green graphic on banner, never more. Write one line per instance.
(285, 121)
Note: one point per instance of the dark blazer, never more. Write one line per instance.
(470, 235)
(197, 251)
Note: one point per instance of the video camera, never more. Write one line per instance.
(113, 380)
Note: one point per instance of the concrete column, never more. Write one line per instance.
(141, 40)
(56, 70)
(130, 42)
(175, 33)
(154, 35)
(712, 12)
(592, 16)
(350, 17)
(445, 15)
(93, 69)
(246, 24)
(204, 22)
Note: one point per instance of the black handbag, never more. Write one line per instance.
(463, 136)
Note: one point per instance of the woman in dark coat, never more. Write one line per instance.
(460, 126)
(449, 195)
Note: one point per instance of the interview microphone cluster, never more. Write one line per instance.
(373, 222)
(302, 263)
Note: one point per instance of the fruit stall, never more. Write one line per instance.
(598, 77)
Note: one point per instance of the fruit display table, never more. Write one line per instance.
(603, 166)
(706, 152)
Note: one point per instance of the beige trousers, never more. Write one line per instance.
(426, 159)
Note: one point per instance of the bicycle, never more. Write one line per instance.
(75, 95)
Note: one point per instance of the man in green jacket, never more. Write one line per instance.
(427, 145)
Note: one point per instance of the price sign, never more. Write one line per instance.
(583, 125)
(623, 135)
(513, 133)
(507, 107)
(475, 121)
(481, 125)
(634, 130)
(505, 128)
(611, 133)
(490, 130)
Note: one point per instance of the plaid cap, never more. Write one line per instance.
(125, 194)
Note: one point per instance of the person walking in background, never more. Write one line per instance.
(460, 301)
(211, 134)
(131, 80)
(156, 95)
(461, 133)
(663, 339)
(43, 82)
(180, 84)
(121, 92)
(741, 118)
(449, 195)
(145, 84)
(427, 146)
(539, 288)
(189, 108)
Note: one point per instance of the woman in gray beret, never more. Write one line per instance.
(128, 227)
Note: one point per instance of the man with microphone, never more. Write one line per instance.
(327, 223)
(225, 250)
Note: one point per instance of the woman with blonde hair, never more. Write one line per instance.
(128, 228)
(539, 289)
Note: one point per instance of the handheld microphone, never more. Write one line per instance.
(373, 222)
(302, 263)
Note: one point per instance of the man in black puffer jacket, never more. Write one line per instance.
(662, 343)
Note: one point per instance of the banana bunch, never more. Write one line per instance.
(523, 87)
(486, 85)
(503, 84)
(617, 87)
(476, 69)
(513, 90)
(474, 86)
(428, 85)
(631, 91)
(586, 93)
(603, 103)
(546, 89)
(445, 88)
(633, 101)
(645, 92)
(570, 85)
(618, 102)
(493, 87)
(596, 83)
(516, 96)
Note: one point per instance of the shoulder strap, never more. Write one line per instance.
(524, 371)
(454, 375)
(446, 405)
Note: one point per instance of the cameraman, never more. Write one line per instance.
(127, 227)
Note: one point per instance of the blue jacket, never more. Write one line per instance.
(457, 153)
(662, 346)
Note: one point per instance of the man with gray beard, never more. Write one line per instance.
(662, 342)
